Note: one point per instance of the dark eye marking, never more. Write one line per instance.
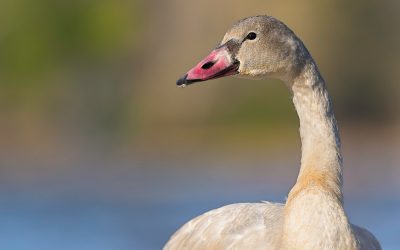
(251, 36)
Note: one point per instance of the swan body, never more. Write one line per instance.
(313, 216)
(247, 226)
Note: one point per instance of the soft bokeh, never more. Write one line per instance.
(100, 150)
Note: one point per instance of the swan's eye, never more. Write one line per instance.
(251, 36)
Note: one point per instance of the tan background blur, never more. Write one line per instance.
(100, 149)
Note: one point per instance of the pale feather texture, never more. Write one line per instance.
(236, 226)
(245, 226)
(313, 216)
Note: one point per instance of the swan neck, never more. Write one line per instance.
(315, 202)
(321, 160)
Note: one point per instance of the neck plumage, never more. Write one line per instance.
(314, 217)
(321, 161)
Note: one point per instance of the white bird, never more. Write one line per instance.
(313, 216)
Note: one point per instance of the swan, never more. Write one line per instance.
(313, 216)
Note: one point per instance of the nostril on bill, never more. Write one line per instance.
(208, 65)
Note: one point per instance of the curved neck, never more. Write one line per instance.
(315, 202)
(321, 160)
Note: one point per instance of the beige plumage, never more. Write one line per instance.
(313, 216)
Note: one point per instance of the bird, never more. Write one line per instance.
(313, 216)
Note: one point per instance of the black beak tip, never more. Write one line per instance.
(182, 80)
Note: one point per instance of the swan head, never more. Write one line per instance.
(255, 47)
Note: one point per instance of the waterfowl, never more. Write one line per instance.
(313, 216)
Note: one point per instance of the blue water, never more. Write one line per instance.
(130, 208)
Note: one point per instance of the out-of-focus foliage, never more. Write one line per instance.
(107, 68)
(39, 37)
(63, 64)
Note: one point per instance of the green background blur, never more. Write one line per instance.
(89, 108)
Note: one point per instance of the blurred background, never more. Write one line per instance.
(100, 150)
